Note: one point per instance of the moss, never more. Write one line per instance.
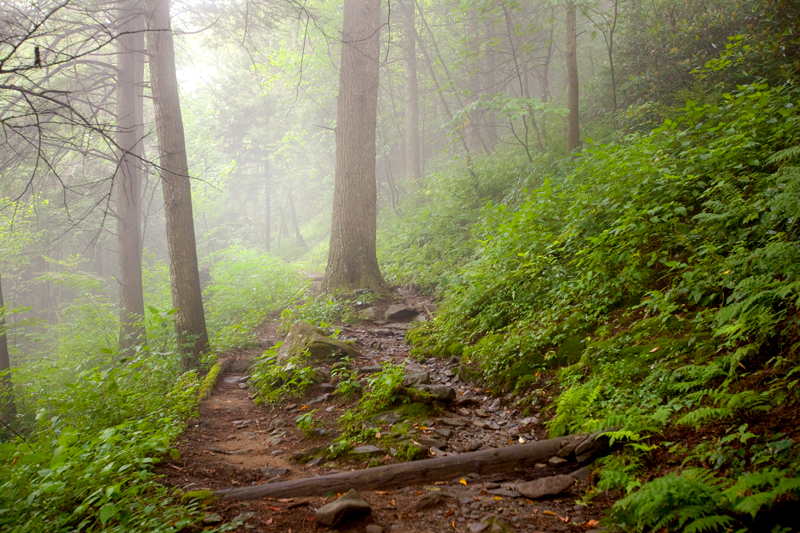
(470, 375)
(456, 348)
(408, 452)
(198, 495)
(209, 381)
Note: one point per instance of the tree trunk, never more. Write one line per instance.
(352, 258)
(268, 206)
(130, 134)
(495, 461)
(573, 131)
(413, 167)
(7, 406)
(190, 323)
(295, 225)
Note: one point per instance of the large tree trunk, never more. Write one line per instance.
(190, 322)
(352, 258)
(7, 406)
(573, 131)
(130, 133)
(495, 461)
(413, 167)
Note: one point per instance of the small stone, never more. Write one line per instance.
(240, 424)
(529, 420)
(440, 392)
(417, 378)
(327, 387)
(548, 486)
(555, 461)
(369, 314)
(452, 422)
(493, 425)
(243, 517)
(212, 519)
(389, 417)
(271, 472)
(374, 528)
(383, 332)
(373, 369)
(275, 441)
(495, 405)
(477, 527)
(244, 379)
(444, 432)
(367, 449)
(400, 313)
(582, 473)
(431, 443)
(349, 506)
(290, 407)
(463, 411)
(317, 461)
(265, 344)
(481, 413)
(318, 400)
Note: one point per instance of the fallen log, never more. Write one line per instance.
(486, 462)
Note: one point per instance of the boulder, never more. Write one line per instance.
(369, 314)
(400, 313)
(303, 337)
(417, 378)
(439, 392)
(546, 486)
(349, 506)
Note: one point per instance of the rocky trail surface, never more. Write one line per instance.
(235, 443)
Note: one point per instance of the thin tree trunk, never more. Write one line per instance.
(573, 131)
(352, 258)
(190, 323)
(611, 56)
(268, 205)
(7, 406)
(130, 133)
(298, 237)
(413, 167)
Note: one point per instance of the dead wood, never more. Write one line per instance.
(484, 462)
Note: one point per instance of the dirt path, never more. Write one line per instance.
(236, 443)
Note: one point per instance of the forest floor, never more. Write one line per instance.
(235, 443)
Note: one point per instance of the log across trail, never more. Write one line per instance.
(494, 461)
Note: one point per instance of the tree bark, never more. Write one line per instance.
(573, 128)
(190, 323)
(413, 166)
(295, 225)
(129, 138)
(7, 406)
(268, 206)
(495, 461)
(352, 257)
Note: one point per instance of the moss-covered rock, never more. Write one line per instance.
(303, 338)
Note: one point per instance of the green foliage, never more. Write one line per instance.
(87, 462)
(246, 286)
(326, 308)
(273, 383)
(379, 396)
(307, 423)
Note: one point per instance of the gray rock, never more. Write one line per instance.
(440, 392)
(277, 440)
(271, 472)
(372, 369)
(370, 314)
(382, 332)
(240, 424)
(417, 378)
(367, 450)
(508, 493)
(429, 307)
(547, 486)
(304, 338)
(320, 399)
(452, 422)
(244, 379)
(374, 528)
(212, 518)
(349, 506)
(242, 385)
(477, 527)
(555, 461)
(444, 432)
(582, 473)
(431, 443)
(400, 313)
(493, 425)
(389, 417)
(243, 517)
(529, 420)
(480, 424)
(400, 325)
(322, 374)
(327, 387)
(481, 413)
(317, 461)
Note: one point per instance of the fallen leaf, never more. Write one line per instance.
(383, 492)
(392, 502)
(498, 498)
(591, 523)
(564, 519)
(278, 509)
(451, 512)
(463, 481)
(269, 521)
(304, 407)
(521, 440)
(530, 501)
(419, 492)
(549, 513)
(655, 349)
(285, 500)
(378, 435)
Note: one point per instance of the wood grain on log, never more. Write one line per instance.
(484, 462)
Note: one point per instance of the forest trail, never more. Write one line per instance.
(235, 443)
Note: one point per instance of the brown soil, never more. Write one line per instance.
(215, 455)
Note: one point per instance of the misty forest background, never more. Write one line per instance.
(604, 192)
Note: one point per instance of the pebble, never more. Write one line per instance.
(374, 528)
